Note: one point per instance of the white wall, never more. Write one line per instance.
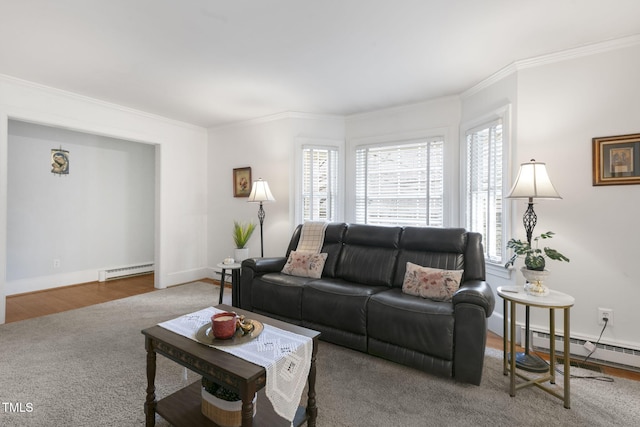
(181, 164)
(98, 216)
(562, 106)
(558, 105)
(268, 146)
(439, 117)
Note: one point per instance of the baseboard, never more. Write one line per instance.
(33, 284)
(608, 353)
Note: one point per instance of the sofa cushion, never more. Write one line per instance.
(442, 248)
(337, 303)
(304, 264)
(369, 254)
(432, 283)
(332, 246)
(278, 293)
(418, 324)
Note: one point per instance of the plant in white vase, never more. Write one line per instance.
(241, 234)
(534, 262)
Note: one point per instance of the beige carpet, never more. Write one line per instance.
(86, 367)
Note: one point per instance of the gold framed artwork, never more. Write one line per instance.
(241, 182)
(616, 160)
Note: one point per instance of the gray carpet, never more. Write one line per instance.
(86, 367)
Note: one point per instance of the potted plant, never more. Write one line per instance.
(241, 234)
(534, 262)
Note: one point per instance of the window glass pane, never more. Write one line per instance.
(484, 206)
(319, 183)
(400, 184)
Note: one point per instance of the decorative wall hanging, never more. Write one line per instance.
(616, 160)
(242, 182)
(59, 161)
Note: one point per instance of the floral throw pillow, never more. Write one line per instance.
(432, 283)
(305, 264)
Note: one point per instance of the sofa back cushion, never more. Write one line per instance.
(332, 246)
(369, 254)
(333, 236)
(442, 248)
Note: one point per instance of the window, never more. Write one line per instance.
(401, 183)
(484, 183)
(319, 183)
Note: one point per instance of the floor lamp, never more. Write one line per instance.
(260, 193)
(531, 183)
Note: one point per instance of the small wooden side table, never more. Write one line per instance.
(184, 407)
(235, 277)
(513, 295)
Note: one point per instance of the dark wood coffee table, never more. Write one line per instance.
(183, 408)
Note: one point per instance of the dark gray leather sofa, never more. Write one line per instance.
(358, 302)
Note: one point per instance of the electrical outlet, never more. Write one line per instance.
(56, 263)
(605, 313)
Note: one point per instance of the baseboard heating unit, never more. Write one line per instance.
(607, 354)
(126, 271)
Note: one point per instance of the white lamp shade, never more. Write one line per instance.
(533, 183)
(260, 192)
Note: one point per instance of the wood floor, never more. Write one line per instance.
(41, 303)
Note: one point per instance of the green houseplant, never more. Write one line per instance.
(534, 257)
(534, 262)
(241, 234)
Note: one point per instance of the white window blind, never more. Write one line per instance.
(319, 183)
(484, 204)
(401, 184)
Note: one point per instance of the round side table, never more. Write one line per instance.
(235, 277)
(513, 295)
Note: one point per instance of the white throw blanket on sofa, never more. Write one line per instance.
(312, 236)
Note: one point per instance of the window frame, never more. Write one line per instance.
(321, 144)
(504, 115)
(399, 141)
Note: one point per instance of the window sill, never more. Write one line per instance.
(498, 270)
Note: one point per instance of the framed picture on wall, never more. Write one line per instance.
(59, 161)
(616, 160)
(241, 182)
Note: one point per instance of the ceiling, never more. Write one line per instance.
(213, 62)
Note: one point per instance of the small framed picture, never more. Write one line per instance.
(59, 161)
(616, 160)
(242, 182)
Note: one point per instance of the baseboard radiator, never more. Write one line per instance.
(612, 355)
(126, 271)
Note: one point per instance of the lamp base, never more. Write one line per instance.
(530, 362)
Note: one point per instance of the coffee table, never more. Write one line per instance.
(183, 408)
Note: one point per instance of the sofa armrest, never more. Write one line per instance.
(473, 303)
(477, 292)
(264, 265)
(252, 268)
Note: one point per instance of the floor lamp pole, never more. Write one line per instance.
(261, 215)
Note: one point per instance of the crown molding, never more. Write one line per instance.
(83, 98)
(565, 55)
(401, 108)
(587, 50)
(275, 117)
